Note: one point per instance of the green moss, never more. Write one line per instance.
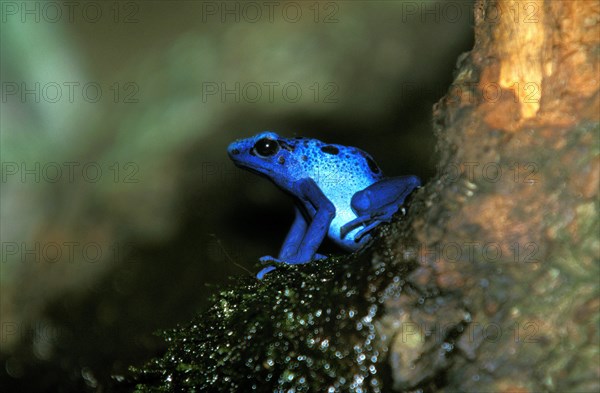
(303, 328)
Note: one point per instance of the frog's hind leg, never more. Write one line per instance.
(378, 203)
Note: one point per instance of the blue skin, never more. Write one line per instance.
(340, 191)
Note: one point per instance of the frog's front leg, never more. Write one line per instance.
(303, 239)
(378, 203)
(321, 220)
(294, 237)
(290, 245)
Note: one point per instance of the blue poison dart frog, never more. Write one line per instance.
(340, 191)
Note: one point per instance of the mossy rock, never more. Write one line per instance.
(303, 328)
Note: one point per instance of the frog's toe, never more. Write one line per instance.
(350, 226)
(264, 271)
(359, 235)
(268, 258)
(319, 257)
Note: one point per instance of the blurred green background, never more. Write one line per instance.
(121, 212)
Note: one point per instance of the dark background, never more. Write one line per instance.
(140, 100)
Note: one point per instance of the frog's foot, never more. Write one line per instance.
(268, 258)
(369, 221)
(367, 229)
(319, 257)
(289, 261)
(264, 271)
(350, 226)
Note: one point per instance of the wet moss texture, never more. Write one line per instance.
(315, 327)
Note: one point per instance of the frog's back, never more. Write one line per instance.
(340, 172)
(335, 167)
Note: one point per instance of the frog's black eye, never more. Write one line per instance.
(266, 147)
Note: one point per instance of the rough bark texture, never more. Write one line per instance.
(490, 283)
(509, 228)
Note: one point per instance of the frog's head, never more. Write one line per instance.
(266, 153)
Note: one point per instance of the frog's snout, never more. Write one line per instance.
(233, 150)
